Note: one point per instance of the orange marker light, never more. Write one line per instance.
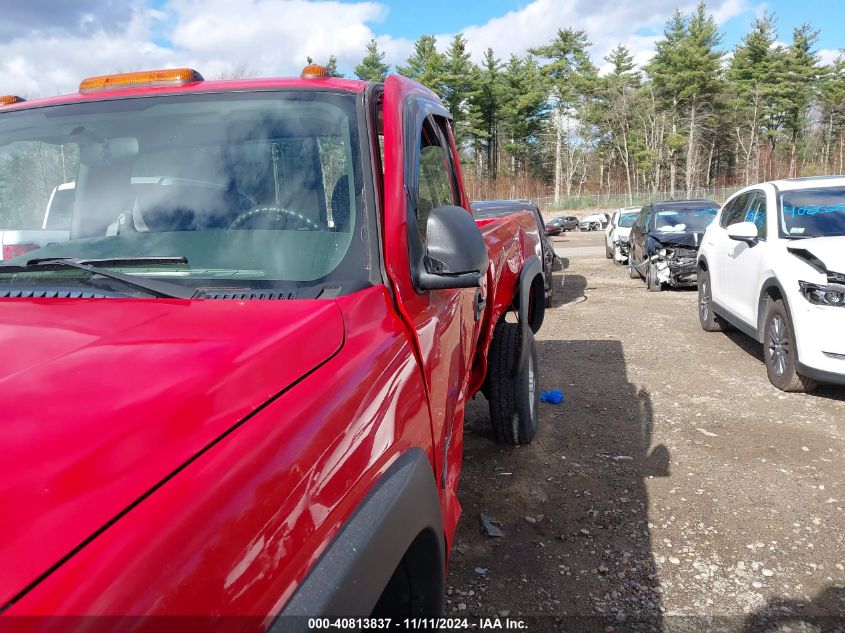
(10, 99)
(146, 78)
(314, 71)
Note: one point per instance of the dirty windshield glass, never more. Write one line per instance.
(683, 220)
(626, 220)
(813, 212)
(262, 188)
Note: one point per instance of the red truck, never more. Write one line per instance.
(238, 387)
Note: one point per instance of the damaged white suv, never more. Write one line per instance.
(773, 266)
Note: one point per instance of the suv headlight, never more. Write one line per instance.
(817, 294)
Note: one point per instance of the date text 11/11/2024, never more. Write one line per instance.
(431, 624)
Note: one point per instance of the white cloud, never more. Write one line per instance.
(274, 37)
(271, 36)
(730, 9)
(637, 25)
(828, 55)
(47, 63)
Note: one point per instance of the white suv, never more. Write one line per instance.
(773, 266)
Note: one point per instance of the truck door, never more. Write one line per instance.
(420, 173)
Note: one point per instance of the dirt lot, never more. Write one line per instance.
(673, 489)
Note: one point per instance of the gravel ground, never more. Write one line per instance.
(673, 489)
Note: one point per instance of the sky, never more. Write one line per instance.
(48, 46)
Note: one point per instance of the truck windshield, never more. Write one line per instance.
(260, 188)
(813, 212)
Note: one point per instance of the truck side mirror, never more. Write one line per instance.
(455, 255)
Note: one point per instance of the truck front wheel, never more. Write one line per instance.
(513, 392)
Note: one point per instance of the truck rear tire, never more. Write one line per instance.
(513, 393)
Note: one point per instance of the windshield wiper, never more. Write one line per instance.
(154, 287)
(115, 261)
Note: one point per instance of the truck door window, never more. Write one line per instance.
(435, 178)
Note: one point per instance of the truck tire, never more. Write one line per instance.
(779, 351)
(513, 394)
(632, 269)
(608, 253)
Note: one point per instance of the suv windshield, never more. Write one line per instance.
(813, 212)
(259, 188)
(683, 220)
(626, 220)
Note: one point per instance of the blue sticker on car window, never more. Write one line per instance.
(814, 209)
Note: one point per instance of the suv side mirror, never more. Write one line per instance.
(455, 255)
(743, 232)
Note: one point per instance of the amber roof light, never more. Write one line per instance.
(144, 78)
(314, 71)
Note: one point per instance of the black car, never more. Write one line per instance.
(565, 222)
(497, 208)
(664, 242)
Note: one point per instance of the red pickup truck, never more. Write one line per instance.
(238, 387)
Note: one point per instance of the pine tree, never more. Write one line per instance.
(802, 67)
(571, 76)
(833, 112)
(426, 65)
(524, 111)
(372, 66)
(457, 84)
(615, 111)
(686, 74)
(484, 113)
(754, 83)
(331, 67)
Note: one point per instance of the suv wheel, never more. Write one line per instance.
(651, 280)
(514, 394)
(607, 252)
(779, 351)
(632, 269)
(710, 321)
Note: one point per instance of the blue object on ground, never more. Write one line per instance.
(554, 396)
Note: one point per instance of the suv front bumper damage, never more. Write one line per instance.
(676, 266)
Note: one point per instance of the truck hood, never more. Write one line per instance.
(103, 399)
(830, 251)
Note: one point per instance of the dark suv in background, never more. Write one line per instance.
(664, 241)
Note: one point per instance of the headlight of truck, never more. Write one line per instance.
(817, 294)
(662, 252)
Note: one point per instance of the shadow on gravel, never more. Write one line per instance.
(825, 613)
(570, 290)
(755, 350)
(576, 552)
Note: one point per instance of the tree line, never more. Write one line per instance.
(694, 117)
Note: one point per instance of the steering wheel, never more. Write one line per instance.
(279, 214)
